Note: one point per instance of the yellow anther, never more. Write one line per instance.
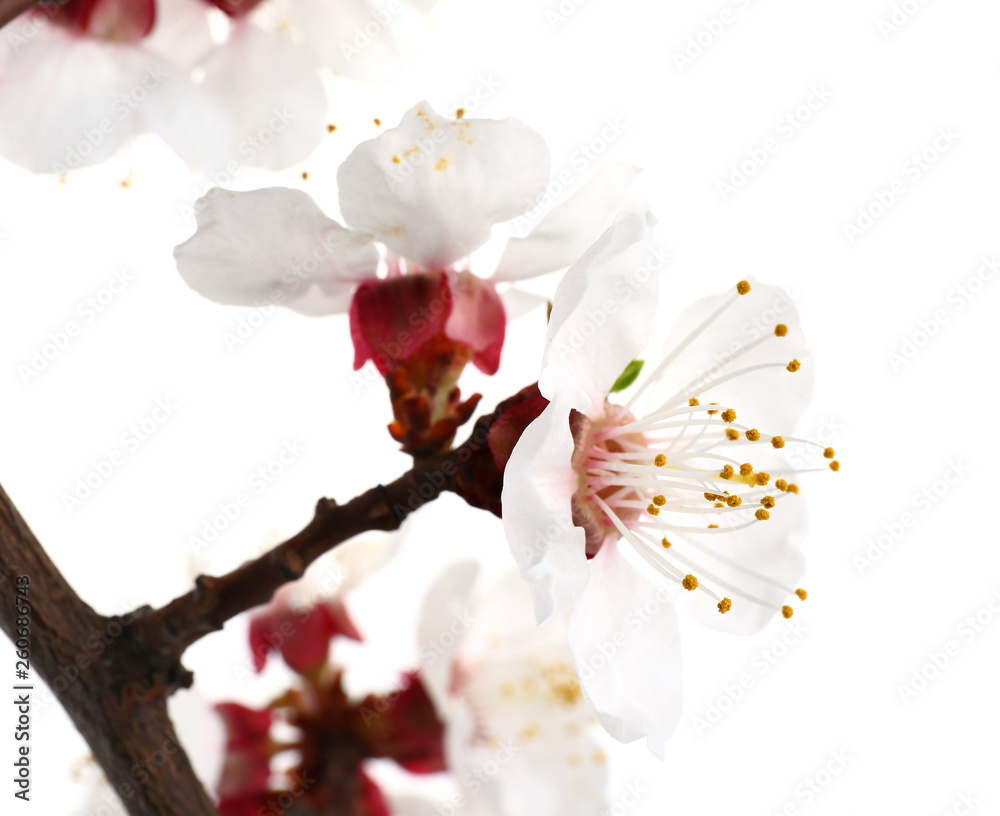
(689, 583)
(762, 478)
(802, 594)
(712, 413)
(728, 415)
(828, 453)
(777, 442)
(794, 365)
(714, 497)
(782, 485)
(743, 287)
(787, 611)
(693, 402)
(666, 544)
(660, 460)
(653, 510)
(713, 526)
(732, 434)
(746, 469)
(734, 501)
(834, 465)
(659, 501)
(768, 502)
(793, 488)
(780, 330)
(753, 435)
(725, 605)
(762, 515)
(727, 472)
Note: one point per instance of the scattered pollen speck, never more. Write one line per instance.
(666, 544)
(460, 113)
(378, 122)
(331, 128)
(442, 164)
(780, 330)
(395, 159)
(305, 175)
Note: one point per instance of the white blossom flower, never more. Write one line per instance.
(600, 497)
(417, 200)
(519, 738)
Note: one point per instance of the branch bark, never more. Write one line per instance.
(10, 9)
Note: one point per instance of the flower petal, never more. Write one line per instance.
(563, 235)
(771, 399)
(602, 314)
(538, 487)
(255, 246)
(274, 97)
(626, 642)
(477, 319)
(431, 189)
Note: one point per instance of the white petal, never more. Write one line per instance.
(771, 399)
(251, 245)
(446, 603)
(61, 122)
(274, 97)
(539, 483)
(517, 303)
(563, 235)
(626, 642)
(181, 32)
(431, 188)
(602, 314)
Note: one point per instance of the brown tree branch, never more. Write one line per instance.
(10, 9)
(115, 686)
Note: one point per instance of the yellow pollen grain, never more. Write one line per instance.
(693, 402)
(762, 515)
(762, 478)
(507, 689)
(746, 469)
(725, 605)
(802, 594)
(459, 113)
(378, 122)
(794, 365)
(713, 496)
(305, 175)
(666, 544)
(782, 485)
(689, 583)
(442, 164)
(728, 415)
(734, 501)
(743, 287)
(780, 330)
(787, 611)
(713, 526)
(659, 501)
(530, 730)
(572, 729)
(768, 502)
(834, 465)
(718, 504)
(828, 453)
(653, 510)
(660, 460)
(732, 434)
(753, 435)
(331, 128)
(777, 442)
(599, 757)
(727, 472)
(395, 159)
(793, 488)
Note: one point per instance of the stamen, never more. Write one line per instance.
(728, 415)
(743, 287)
(794, 365)
(732, 434)
(689, 583)
(834, 465)
(753, 435)
(762, 515)
(777, 442)
(828, 453)
(802, 594)
(660, 460)
(787, 612)
(780, 330)
(725, 605)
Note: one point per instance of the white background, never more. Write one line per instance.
(900, 425)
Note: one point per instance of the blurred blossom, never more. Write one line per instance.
(598, 496)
